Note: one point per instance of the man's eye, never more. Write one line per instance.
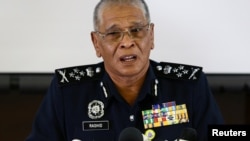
(113, 33)
(135, 29)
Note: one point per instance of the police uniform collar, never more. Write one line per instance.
(148, 86)
(76, 74)
(108, 85)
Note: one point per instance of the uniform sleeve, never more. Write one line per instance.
(47, 125)
(206, 110)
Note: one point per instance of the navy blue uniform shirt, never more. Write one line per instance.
(83, 103)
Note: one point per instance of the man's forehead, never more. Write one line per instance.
(118, 16)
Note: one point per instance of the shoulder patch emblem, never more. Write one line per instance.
(78, 73)
(178, 71)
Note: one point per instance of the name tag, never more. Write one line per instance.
(95, 125)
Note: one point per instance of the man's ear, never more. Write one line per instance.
(152, 35)
(95, 43)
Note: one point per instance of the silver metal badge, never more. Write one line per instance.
(95, 109)
(90, 71)
(63, 74)
(167, 69)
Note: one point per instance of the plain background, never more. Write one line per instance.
(38, 36)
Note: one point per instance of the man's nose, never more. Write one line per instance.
(127, 40)
(126, 34)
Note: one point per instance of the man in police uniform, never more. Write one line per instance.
(96, 102)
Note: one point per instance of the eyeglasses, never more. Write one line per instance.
(117, 36)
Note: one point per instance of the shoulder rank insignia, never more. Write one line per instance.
(178, 71)
(78, 73)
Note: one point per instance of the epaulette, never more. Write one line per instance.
(177, 71)
(79, 73)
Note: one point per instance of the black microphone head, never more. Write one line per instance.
(130, 134)
(189, 134)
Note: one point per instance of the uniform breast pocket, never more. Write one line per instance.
(94, 135)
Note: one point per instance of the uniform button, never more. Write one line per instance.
(132, 117)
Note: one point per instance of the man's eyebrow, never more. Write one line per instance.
(116, 27)
(113, 27)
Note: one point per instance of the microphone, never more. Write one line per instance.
(188, 134)
(132, 134)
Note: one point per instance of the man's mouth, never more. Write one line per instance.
(128, 58)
